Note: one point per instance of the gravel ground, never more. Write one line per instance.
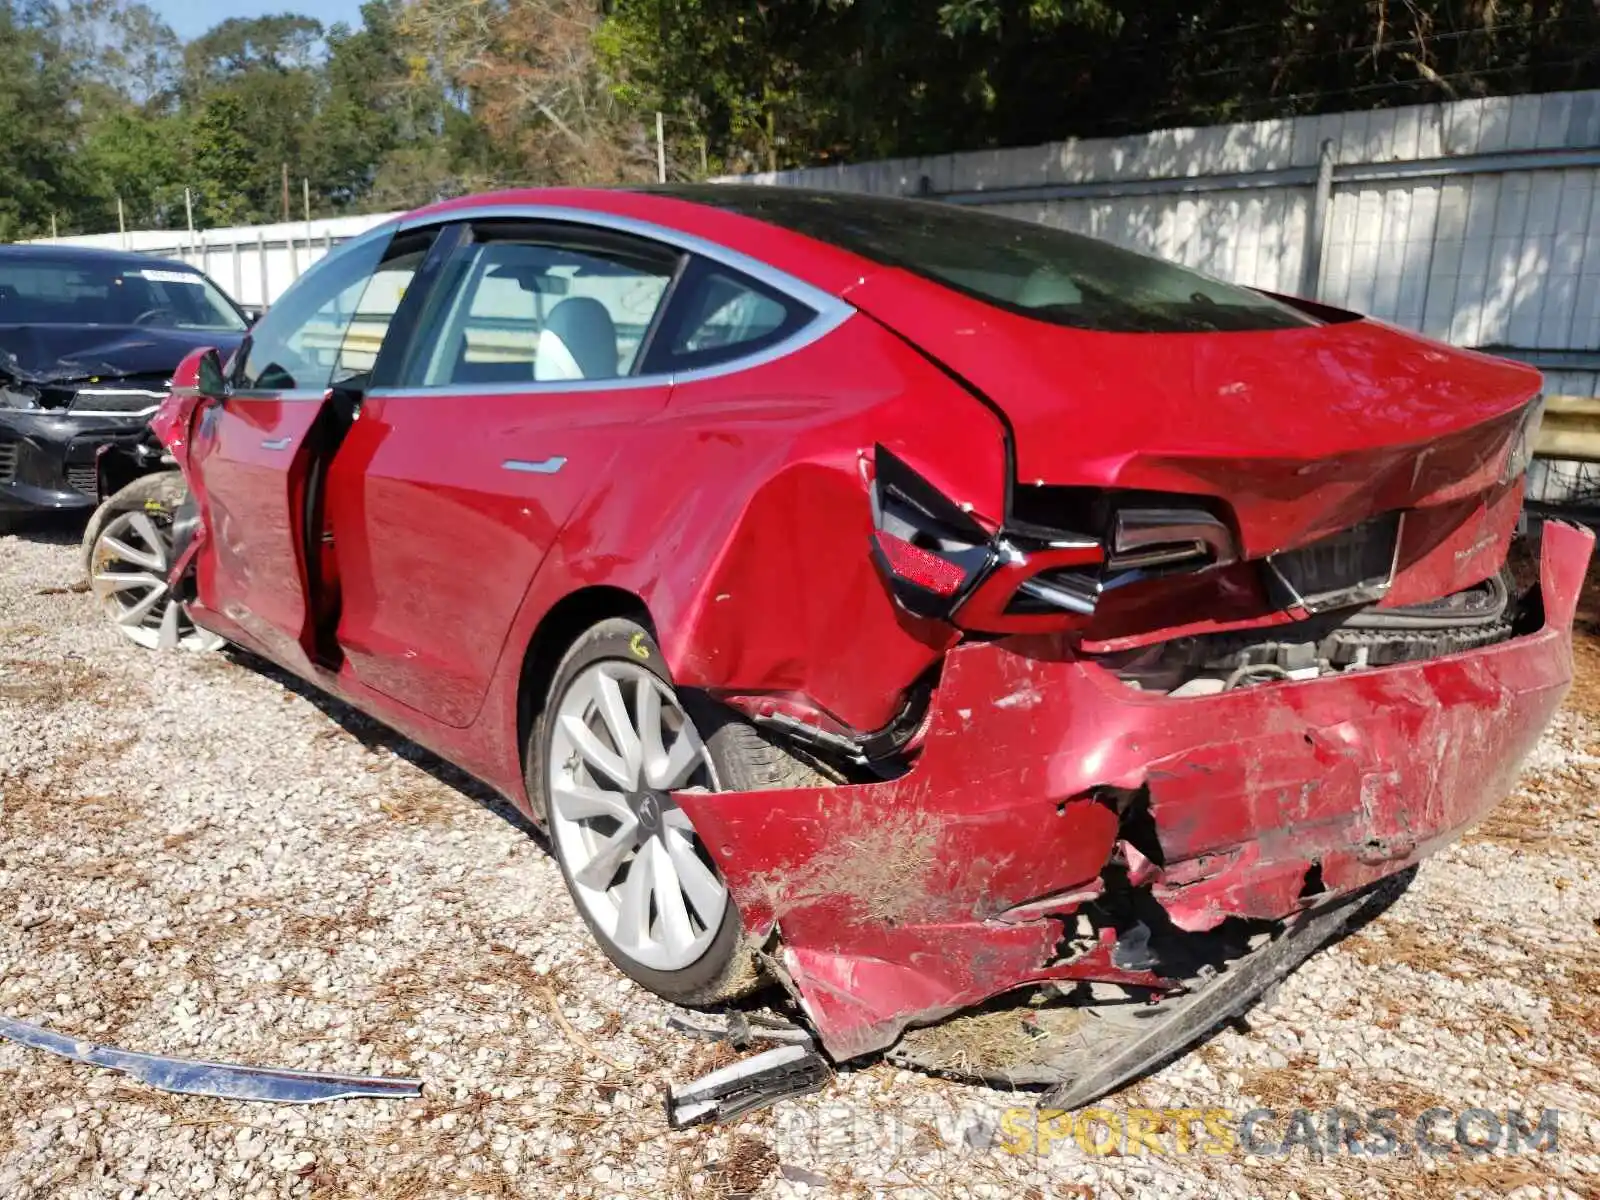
(199, 857)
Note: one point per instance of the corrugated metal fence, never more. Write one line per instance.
(1477, 222)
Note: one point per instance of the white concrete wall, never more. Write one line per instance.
(254, 264)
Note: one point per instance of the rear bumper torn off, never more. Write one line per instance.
(1048, 791)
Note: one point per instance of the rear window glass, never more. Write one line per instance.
(1040, 272)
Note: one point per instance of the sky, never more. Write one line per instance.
(193, 17)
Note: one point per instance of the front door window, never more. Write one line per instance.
(327, 328)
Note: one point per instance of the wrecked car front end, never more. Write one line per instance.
(58, 422)
(49, 456)
(1062, 827)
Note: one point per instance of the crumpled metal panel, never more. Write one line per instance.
(902, 902)
(189, 1077)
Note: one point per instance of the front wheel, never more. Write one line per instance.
(128, 554)
(614, 742)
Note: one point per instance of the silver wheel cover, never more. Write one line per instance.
(620, 742)
(129, 566)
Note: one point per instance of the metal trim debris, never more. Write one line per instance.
(190, 1077)
(743, 1087)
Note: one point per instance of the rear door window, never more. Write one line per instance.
(535, 305)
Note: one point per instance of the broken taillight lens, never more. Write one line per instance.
(920, 568)
(929, 549)
(1520, 455)
(1048, 566)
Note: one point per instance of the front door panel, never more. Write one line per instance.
(508, 411)
(252, 453)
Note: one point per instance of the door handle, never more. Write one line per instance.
(279, 444)
(548, 467)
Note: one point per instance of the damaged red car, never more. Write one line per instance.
(926, 611)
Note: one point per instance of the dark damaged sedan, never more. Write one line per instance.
(88, 343)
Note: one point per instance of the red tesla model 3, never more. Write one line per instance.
(911, 606)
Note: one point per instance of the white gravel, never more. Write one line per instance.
(199, 857)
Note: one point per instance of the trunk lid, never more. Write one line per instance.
(1302, 431)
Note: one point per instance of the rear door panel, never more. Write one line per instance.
(451, 489)
(442, 507)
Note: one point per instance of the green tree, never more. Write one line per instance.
(240, 45)
(223, 162)
(123, 46)
(367, 110)
(429, 98)
(141, 158)
(37, 124)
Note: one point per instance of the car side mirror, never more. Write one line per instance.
(201, 372)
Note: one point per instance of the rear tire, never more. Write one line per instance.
(615, 832)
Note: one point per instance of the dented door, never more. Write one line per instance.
(259, 451)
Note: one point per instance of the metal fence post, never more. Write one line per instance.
(1317, 227)
(261, 258)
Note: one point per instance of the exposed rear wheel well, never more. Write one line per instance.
(562, 625)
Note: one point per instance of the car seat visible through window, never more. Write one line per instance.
(579, 341)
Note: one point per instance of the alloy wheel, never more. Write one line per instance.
(620, 744)
(131, 560)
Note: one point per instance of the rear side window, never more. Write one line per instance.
(1044, 273)
(718, 315)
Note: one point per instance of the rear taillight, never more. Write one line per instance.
(922, 569)
(1040, 589)
(929, 549)
(1520, 454)
(1047, 567)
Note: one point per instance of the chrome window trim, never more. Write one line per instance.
(268, 394)
(831, 312)
(797, 289)
(799, 340)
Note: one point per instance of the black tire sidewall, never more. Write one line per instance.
(161, 494)
(622, 640)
